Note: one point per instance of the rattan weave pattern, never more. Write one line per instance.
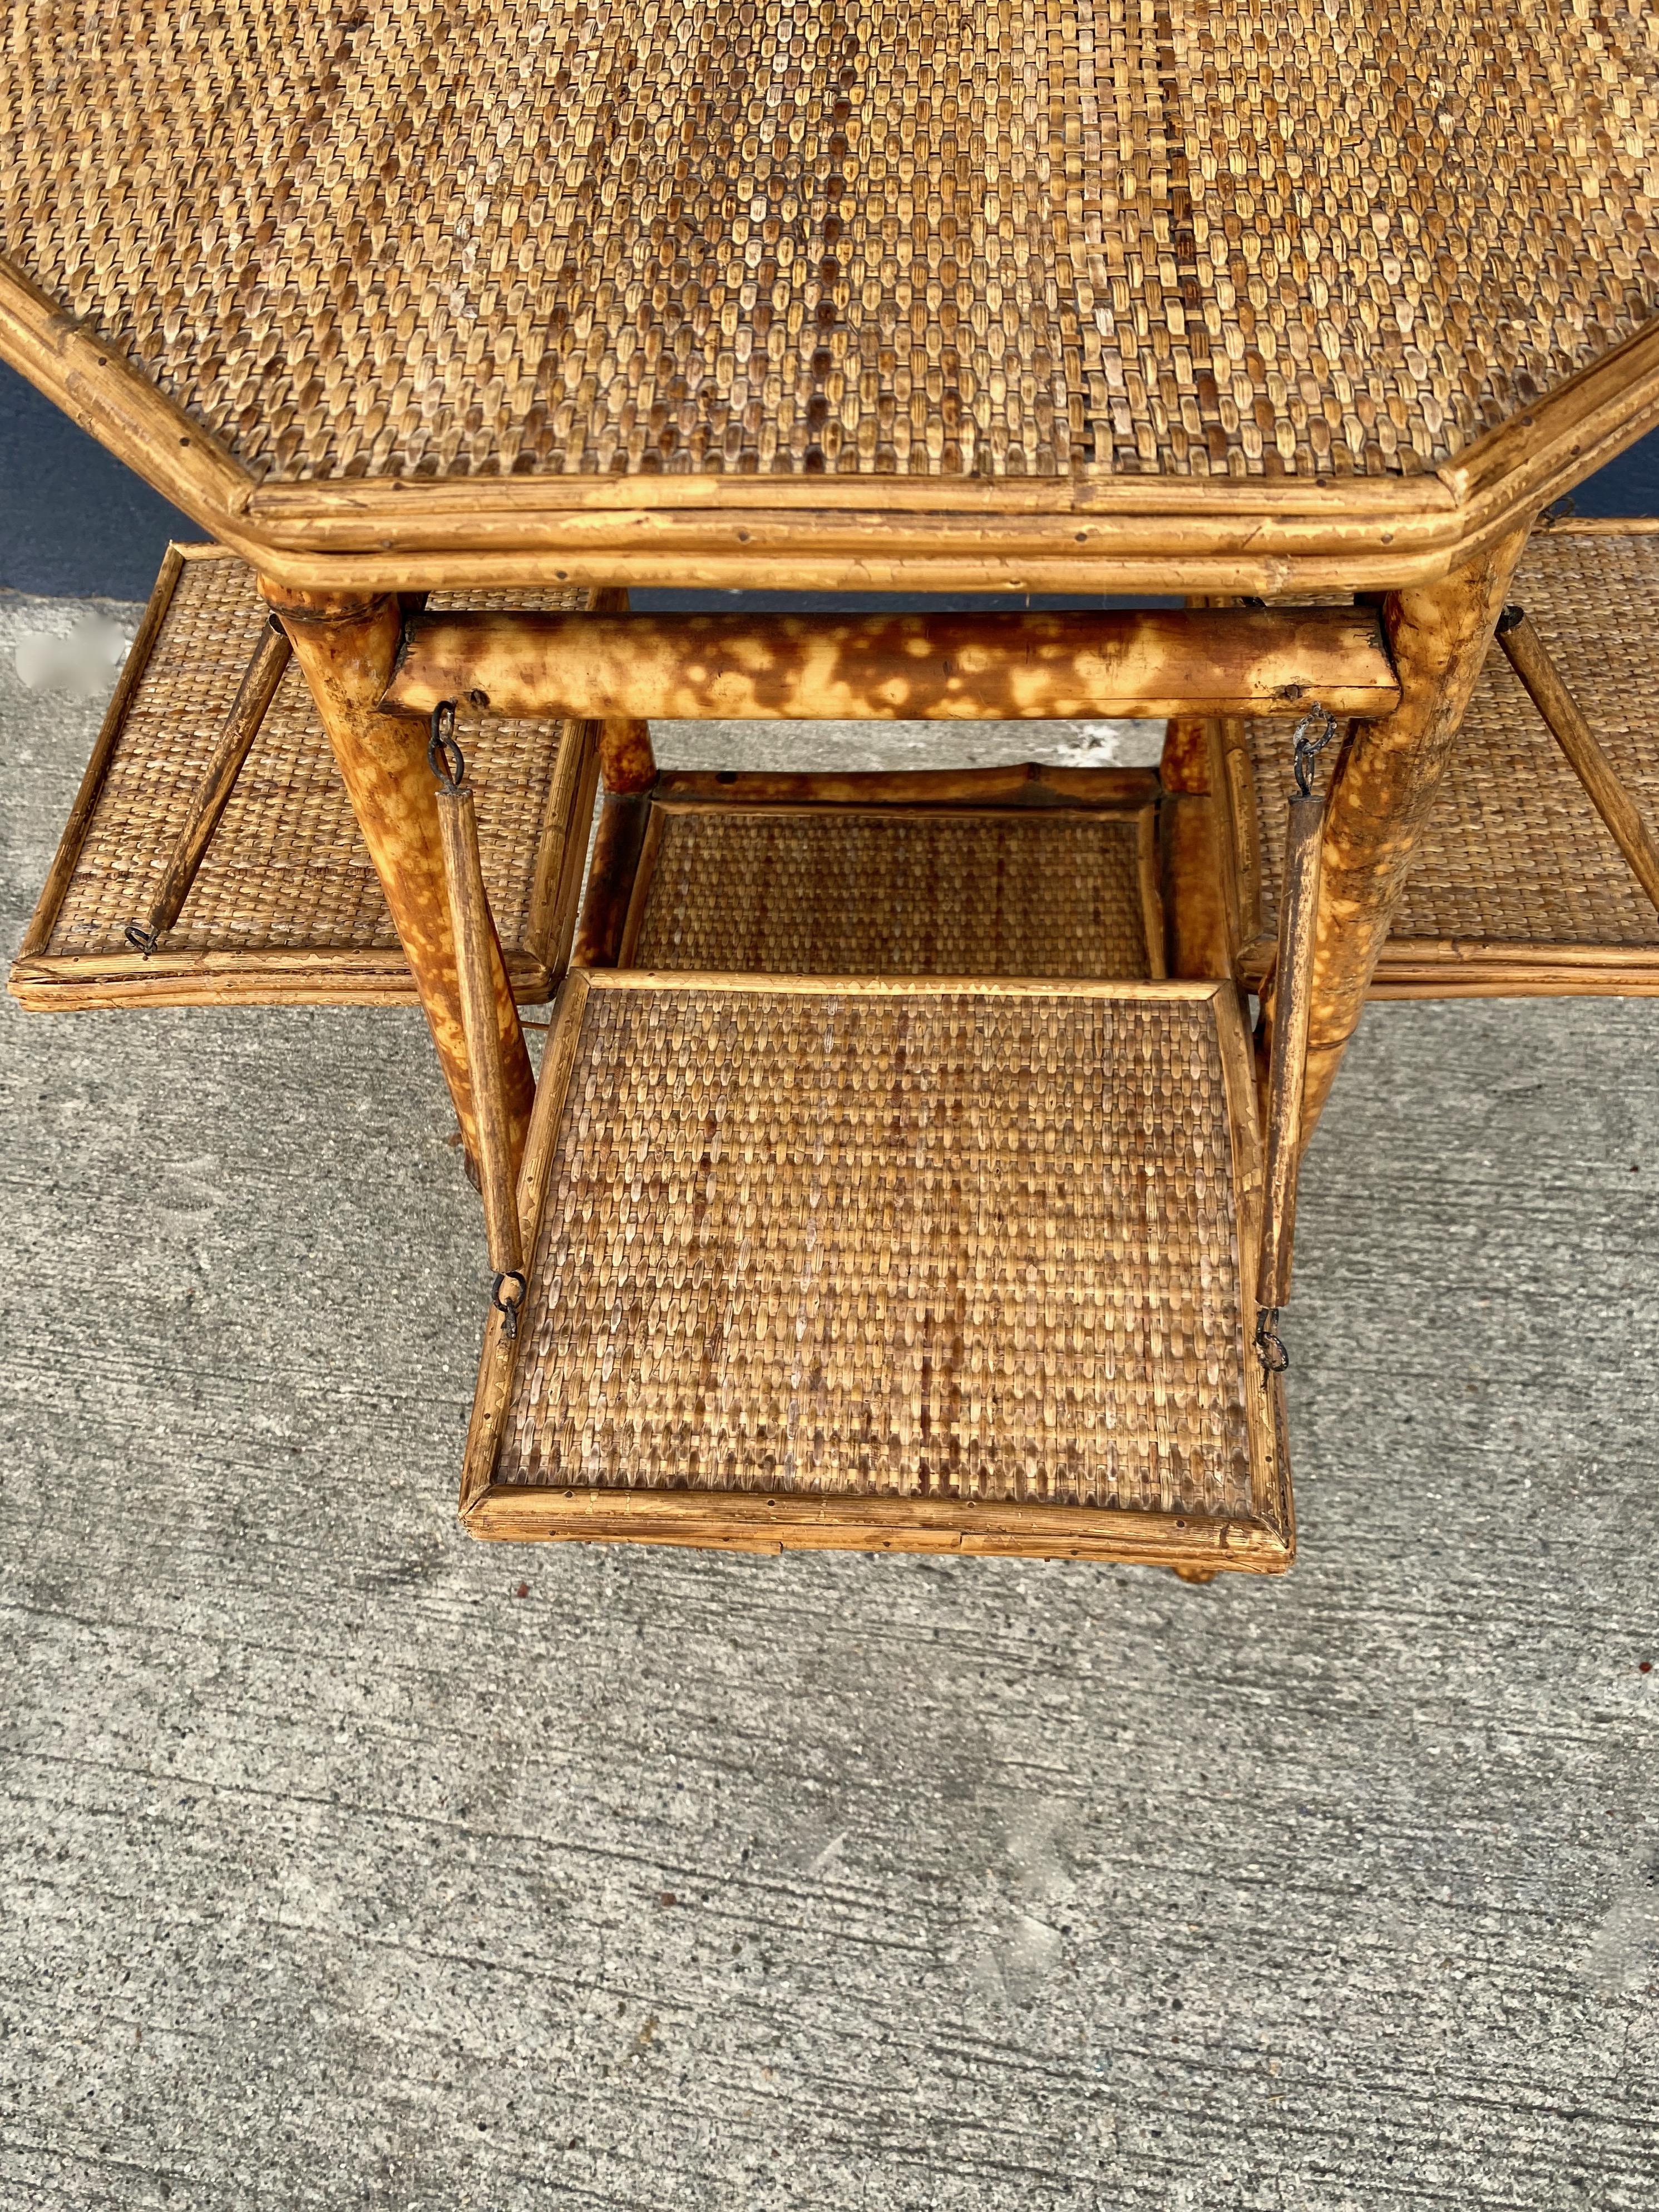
(921, 237)
(1514, 852)
(951, 1243)
(286, 868)
(844, 891)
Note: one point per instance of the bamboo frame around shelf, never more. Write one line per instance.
(1586, 580)
(801, 910)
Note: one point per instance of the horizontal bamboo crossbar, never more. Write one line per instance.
(330, 977)
(1021, 783)
(1151, 661)
(1475, 967)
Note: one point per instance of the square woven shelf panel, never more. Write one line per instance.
(1518, 882)
(925, 1265)
(286, 906)
(809, 890)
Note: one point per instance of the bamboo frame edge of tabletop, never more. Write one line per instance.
(1086, 532)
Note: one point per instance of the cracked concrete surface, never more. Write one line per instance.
(350, 1864)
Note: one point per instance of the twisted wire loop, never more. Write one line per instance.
(443, 756)
(1307, 748)
(508, 1307)
(1269, 1345)
(141, 940)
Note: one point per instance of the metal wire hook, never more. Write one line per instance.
(1307, 749)
(444, 757)
(508, 1308)
(1269, 1345)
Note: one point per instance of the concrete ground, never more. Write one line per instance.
(348, 1864)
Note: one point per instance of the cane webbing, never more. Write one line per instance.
(928, 1244)
(920, 237)
(1514, 852)
(849, 891)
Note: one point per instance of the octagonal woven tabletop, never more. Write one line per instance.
(1024, 249)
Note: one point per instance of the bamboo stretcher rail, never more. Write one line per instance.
(1151, 662)
(1599, 526)
(1017, 783)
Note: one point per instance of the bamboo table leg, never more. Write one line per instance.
(1384, 787)
(627, 763)
(345, 644)
(627, 770)
(1199, 938)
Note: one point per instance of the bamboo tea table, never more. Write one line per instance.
(453, 324)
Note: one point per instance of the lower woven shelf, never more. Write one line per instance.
(989, 872)
(901, 1264)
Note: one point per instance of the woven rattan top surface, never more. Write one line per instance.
(414, 237)
(1514, 852)
(948, 1242)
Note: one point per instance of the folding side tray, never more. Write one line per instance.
(904, 1264)
(286, 907)
(1518, 888)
